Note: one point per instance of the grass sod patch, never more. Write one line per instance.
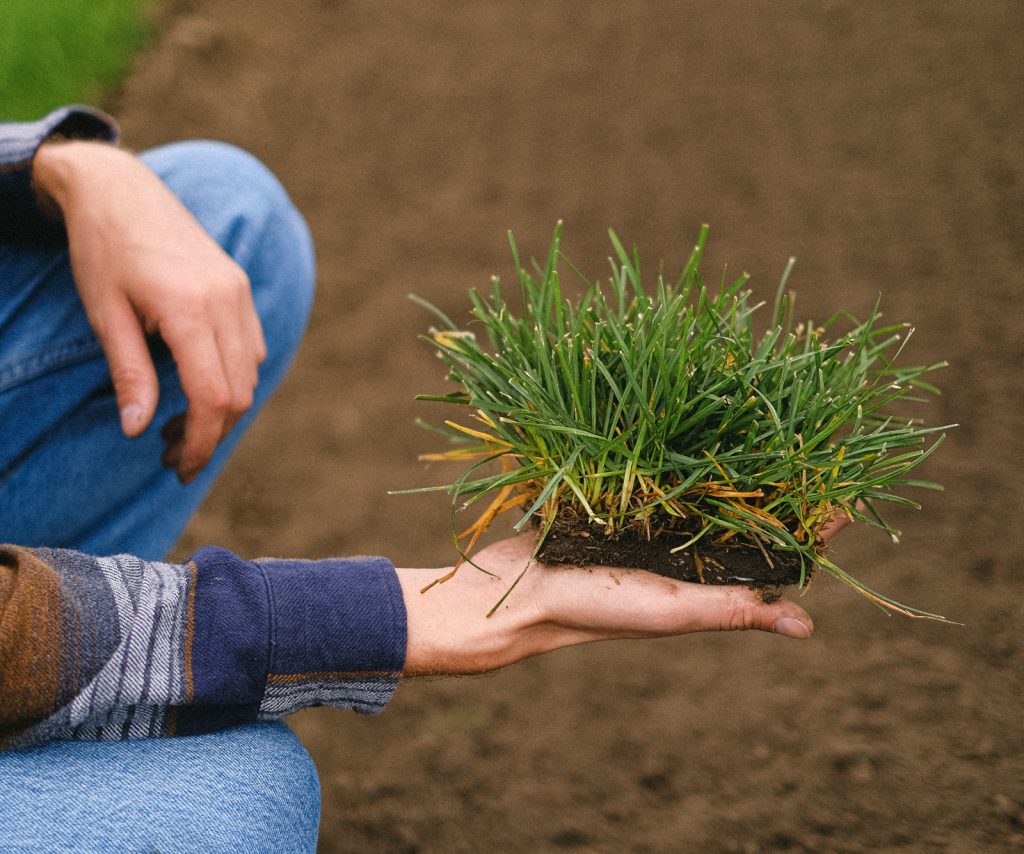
(56, 52)
(651, 407)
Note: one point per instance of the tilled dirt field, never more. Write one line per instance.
(878, 143)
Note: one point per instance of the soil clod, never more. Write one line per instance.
(577, 542)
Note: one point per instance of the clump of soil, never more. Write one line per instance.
(576, 541)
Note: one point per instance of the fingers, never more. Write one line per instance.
(711, 608)
(598, 603)
(834, 525)
(173, 434)
(218, 350)
(131, 367)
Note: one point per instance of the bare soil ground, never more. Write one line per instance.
(881, 145)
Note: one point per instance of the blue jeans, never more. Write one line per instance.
(253, 788)
(69, 478)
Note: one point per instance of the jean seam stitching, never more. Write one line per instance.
(40, 364)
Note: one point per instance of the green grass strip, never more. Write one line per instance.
(56, 52)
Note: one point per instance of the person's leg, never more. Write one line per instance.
(69, 478)
(67, 475)
(248, 789)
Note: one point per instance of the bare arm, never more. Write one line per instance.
(143, 265)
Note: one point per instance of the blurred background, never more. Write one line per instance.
(878, 143)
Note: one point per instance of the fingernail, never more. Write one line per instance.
(187, 475)
(791, 627)
(131, 418)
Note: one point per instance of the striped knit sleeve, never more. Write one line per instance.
(20, 215)
(115, 647)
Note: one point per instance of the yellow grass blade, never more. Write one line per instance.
(477, 434)
(456, 454)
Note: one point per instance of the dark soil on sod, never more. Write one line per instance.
(878, 143)
(573, 541)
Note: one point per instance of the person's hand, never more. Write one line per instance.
(143, 266)
(555, 606)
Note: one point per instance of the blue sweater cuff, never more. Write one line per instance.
(338, 636)
(273, 636)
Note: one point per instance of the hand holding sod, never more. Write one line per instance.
(143, 265)
(557, 606)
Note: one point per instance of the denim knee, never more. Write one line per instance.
(252, 788)
(244, 207)
(278, 798)
(264, 797)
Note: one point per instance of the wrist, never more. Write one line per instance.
(48, 167)
(53, 169)
(60, 166)
(449, 630)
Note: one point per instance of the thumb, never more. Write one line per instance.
(743, 609)
(793, 622)
(131, 367)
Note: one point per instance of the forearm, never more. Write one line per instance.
(113, 648)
